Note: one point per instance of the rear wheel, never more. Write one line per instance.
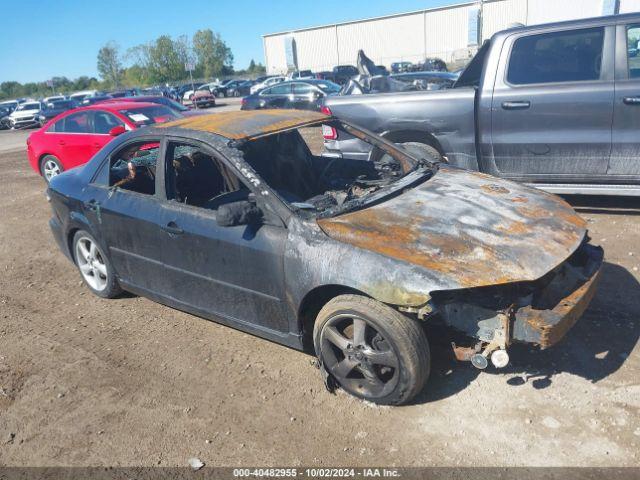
(50, 167)
(422, 150)
(372, 351)
(94, 266)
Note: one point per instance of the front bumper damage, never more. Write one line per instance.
(538, 313)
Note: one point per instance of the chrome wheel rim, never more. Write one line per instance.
(91, 264)
(50, 169)
(356, 353)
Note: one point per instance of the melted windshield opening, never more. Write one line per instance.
(292, 163)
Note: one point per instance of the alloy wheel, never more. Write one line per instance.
(91, 263)
(50, 169)
(358, 356)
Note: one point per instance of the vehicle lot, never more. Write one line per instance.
(86, 381)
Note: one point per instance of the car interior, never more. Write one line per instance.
(199, 179)
(286, 163)
(134, 168)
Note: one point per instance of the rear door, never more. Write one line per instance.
(74, 137)
(625, 153)
(305, 96)
(552, 105)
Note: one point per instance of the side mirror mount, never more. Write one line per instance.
(117, 130)
(233, 214)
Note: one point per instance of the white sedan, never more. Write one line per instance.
(266, 83)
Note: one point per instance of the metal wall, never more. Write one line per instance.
(438, 32)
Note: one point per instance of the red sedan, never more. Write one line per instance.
(72, 138)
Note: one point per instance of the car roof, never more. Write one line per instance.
(247, 124)
(116, 106)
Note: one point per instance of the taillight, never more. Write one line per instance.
(326, 110)
(329, 133)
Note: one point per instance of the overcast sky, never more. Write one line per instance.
(41, 39)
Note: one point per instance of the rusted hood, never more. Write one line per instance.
(467, 228)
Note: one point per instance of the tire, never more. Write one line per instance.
(371, 350)
(50, 167)
(236, 93)
(422, 150)
(94, 266)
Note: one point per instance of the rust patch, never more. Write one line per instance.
(248, 124)
(467, 239)
(493, 189)
(552, 325)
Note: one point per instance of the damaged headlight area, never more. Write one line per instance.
(539, 312)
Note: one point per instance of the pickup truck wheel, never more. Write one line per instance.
(371, 350)
(422, 150)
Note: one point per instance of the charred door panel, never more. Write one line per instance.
(235, 272)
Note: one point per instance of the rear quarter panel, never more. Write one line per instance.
(447, 115)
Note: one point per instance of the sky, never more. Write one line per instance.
(43, 39)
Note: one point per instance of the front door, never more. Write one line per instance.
(125, 210)
(552, 105)
(233, 272)
(625, 154)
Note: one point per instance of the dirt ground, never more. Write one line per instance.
(128, 382)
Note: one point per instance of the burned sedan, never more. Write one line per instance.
(238, 217)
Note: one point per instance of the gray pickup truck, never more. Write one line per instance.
(556, 106)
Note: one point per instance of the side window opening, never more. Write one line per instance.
(133, 167)
(567, 56)
(103, 122)
(633, 51)
(199, 179)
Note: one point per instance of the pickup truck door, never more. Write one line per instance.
(625, 152)
(552, 105)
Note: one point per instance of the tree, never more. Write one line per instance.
(109, 64)
(166, 58)
(213, 55)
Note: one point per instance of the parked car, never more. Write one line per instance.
(95, 99)
(547, 105)
(10, 105)
(166, 101)
(345, 259)
(299, 94)
(431, 65)
(188, 90)
(53, 98)
(54, 108)
(80, 96)
(203, 98)
(128, 92)
(74, 137)
(301, 75)
(342, 73)
(401, 67)
(26, 115)
(239, 88)
(266, 83)
(4, 117)
(399, 82)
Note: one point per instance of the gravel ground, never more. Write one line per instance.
(127, 382)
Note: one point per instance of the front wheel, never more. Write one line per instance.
(94, 266)
(371, 350)
(50, 167)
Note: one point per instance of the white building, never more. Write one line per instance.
(451, 33)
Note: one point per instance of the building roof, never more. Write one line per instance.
(244, 125)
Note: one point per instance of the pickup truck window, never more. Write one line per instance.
(567, 56)
(633, 55)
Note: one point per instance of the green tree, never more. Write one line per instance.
(213, 55)
(165, 59)
(109, 64)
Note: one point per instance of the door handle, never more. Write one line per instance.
(631, 100)
(92, 205)
(517, 105)
(96, 144)
(61, 142)
(172, 228)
